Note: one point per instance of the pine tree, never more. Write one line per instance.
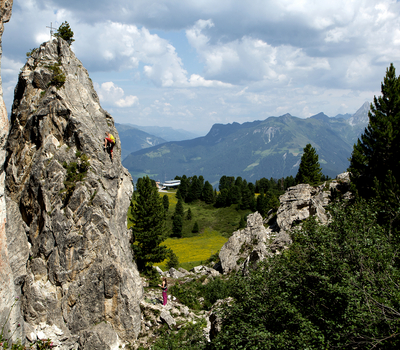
(148, 225)
(177, 224)
(172, 261)
(208, 193)
(179, 208)
(189, 215)
(242, 222)
(375, 161)
(195, 227)
(165, 202)
(65, 32)
(309, 169)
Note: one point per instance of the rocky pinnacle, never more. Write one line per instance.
(67, 204)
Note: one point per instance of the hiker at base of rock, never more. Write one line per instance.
(164, 290)
(109, 139)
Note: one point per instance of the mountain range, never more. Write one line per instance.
(134, 138)
(252, 150)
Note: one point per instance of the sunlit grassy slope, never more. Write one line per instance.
(215, 226)
(192, 251)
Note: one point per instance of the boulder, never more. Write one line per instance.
(300, 202)
(253, 240)
(167, 318)
(174, 273)
(66, 224)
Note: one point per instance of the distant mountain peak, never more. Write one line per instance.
(361, 116)
(320, 116)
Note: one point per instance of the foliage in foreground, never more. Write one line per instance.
(191, 293)
(336, 287)
(188, 337)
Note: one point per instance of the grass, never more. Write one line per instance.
(216, 225)
(192, 251)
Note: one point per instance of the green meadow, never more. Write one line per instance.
(216, 225)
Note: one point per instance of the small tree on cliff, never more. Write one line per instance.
(148, 226)
(309, 169)
(65, 32)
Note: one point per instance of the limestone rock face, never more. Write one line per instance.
(246, 246)
(68, 201)
(301, 201)
(9, 316)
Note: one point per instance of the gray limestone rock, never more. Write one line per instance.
(160, 272)
(10, 315)
(174, 273)
(301, 201)
(167, 318)
(68, 236)
(246, 246)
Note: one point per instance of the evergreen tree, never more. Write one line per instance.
(183, 188)
(242, 223)
(194, 190)
(222, 198)
(208, 193)
(262, 204)
(309, 169)
(179, 208)
(189, 215)
(148, 225)
(165, 203)
(195, 228)
(65, 32)
(247, 201)
(234, 195)
(177, 224)
(375, 161)
(172, 261)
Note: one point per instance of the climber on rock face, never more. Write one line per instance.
(110, 142)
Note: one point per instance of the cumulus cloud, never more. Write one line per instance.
(223, 61)
(250, 59)
(110, 93)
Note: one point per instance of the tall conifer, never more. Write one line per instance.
(309, 169)
(375, 161)
(148, 225)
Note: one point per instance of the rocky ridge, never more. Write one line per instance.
(256, 242)
(67, 201)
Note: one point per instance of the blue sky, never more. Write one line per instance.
(190, 64)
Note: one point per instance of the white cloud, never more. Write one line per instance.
(108, 92)
(128, 101)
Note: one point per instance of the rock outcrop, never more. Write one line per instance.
(246, 246)
(254, 243)
(300, 202)
(9, 316)
(66, 209)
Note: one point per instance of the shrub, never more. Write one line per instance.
(336, 287)
(76, 171)
(172, 261)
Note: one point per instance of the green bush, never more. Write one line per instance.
(172, 261)
(76, 171)
(189, 337)
(190, 293)
(58, 78)
(335, 288)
